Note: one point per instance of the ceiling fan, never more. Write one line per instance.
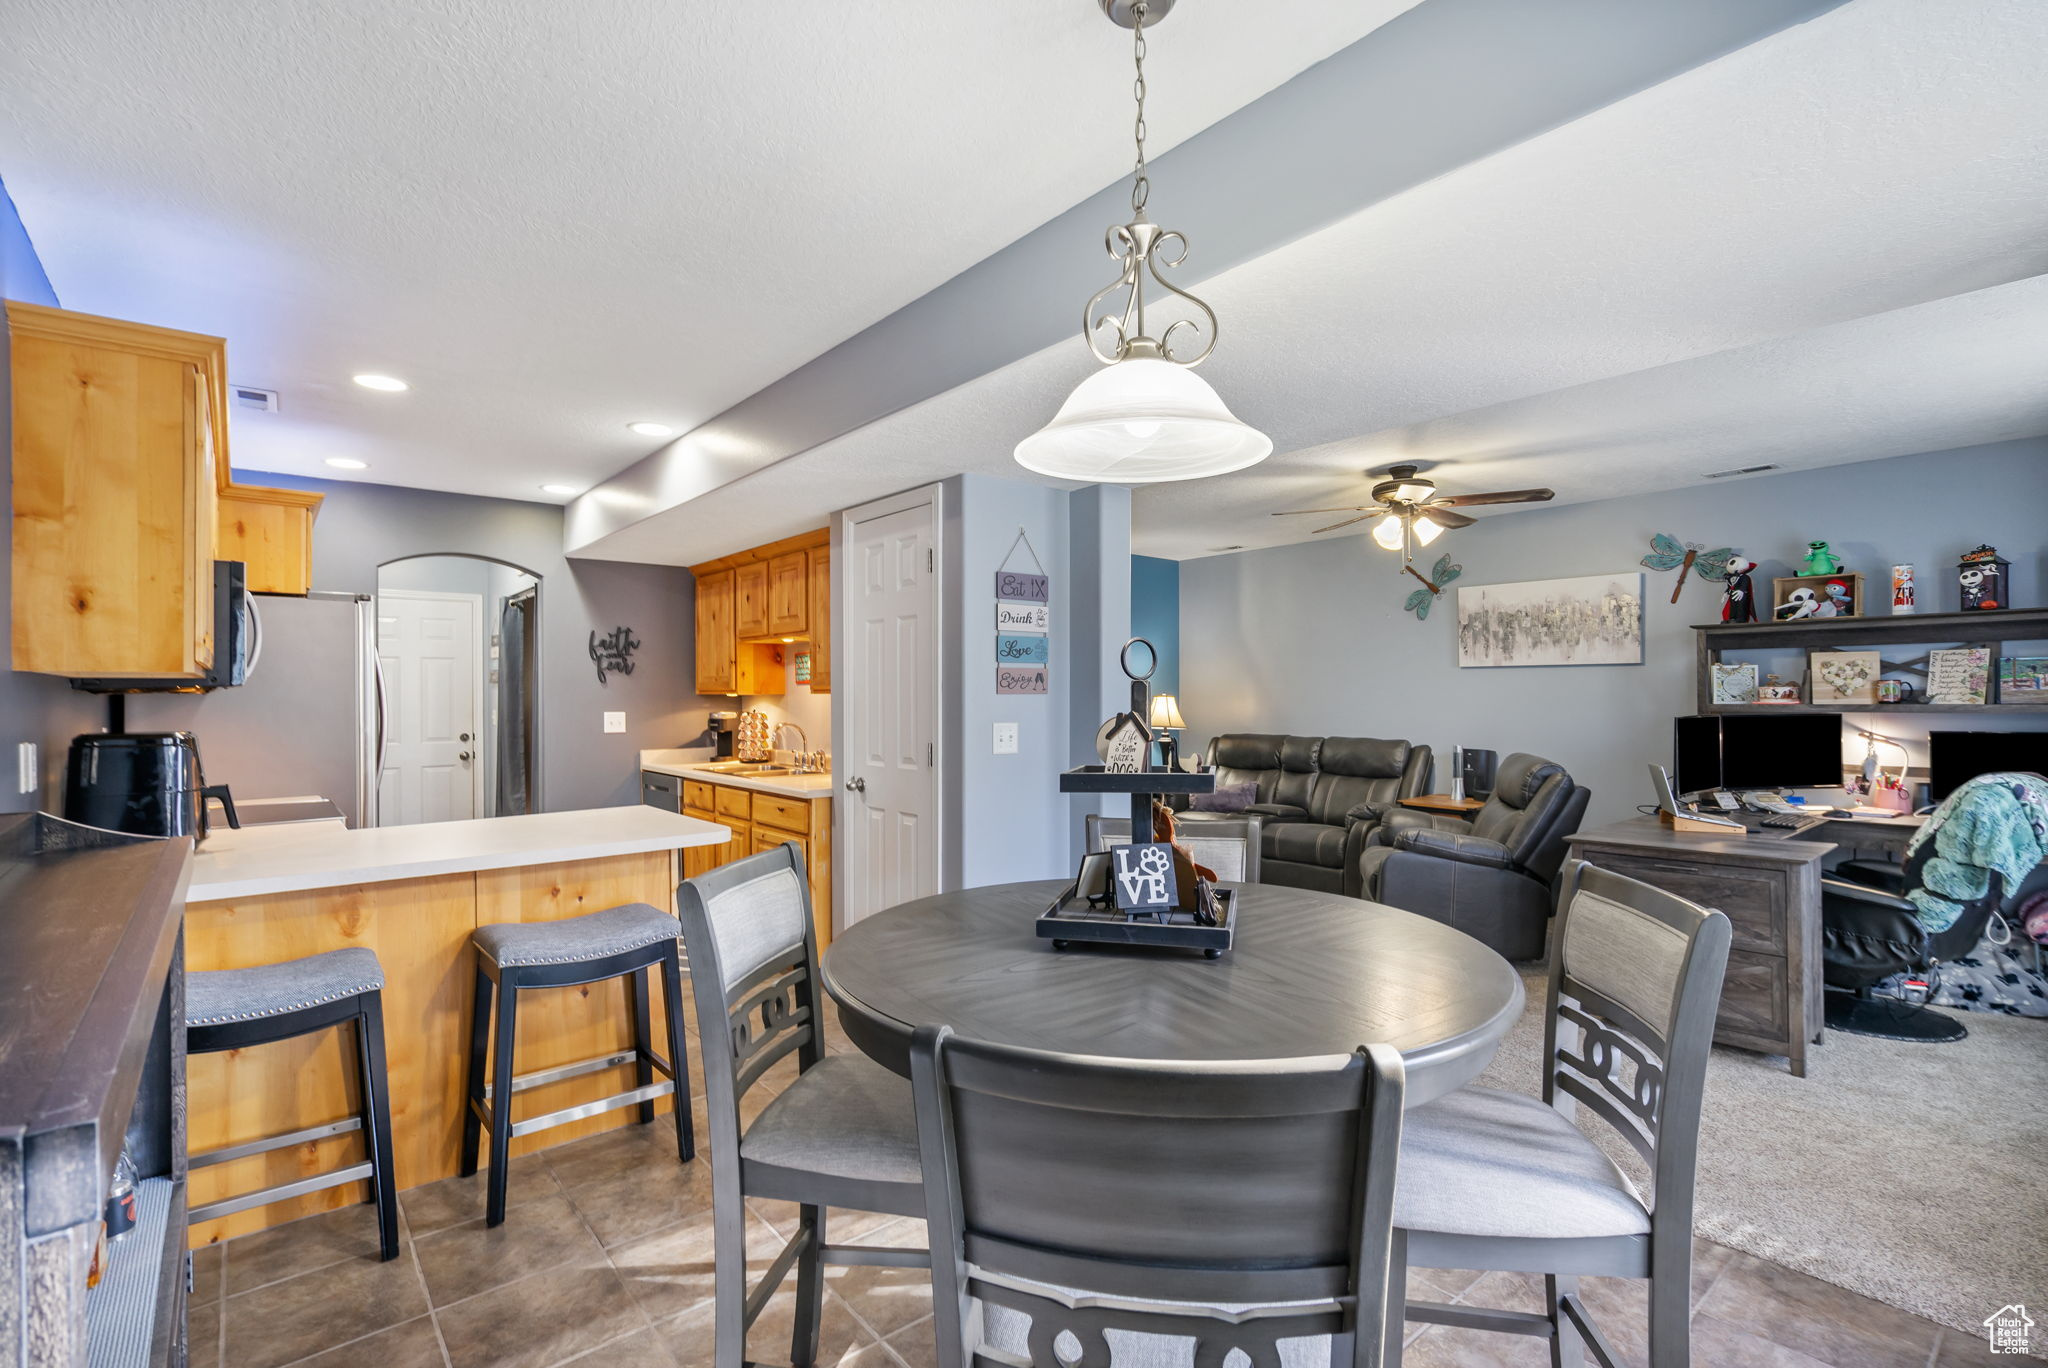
(1410, 510)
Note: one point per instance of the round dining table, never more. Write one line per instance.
(1309, 974)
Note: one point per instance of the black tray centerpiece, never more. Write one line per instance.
(1145, 892)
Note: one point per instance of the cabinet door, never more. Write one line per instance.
(700, 859)
(821, 620)
(750, 599)
(114, 491)
(715, 645)
(271, 532)
(766, 838)
(789, 595)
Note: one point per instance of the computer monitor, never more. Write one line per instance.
(1696, 754)
(1955, 758)
(1783, 750)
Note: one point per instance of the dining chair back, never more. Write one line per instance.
(1235, 1203)
(840, 1134)
(1228, 845)
(1497, 1181)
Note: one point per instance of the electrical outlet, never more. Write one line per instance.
(1006, 738)
(614, 722)
(28, 769)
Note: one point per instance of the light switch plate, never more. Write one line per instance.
(1006, 738)
(614, 721)
(28, 769)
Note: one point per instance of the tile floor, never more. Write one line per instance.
(605, 1259)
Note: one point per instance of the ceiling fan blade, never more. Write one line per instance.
(1445, 518)
(1346, 523)
(1347, 508)
(1502, 496)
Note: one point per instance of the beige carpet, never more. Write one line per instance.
(1914, 1174)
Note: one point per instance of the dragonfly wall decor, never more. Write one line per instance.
(1440, 574)
(1668, 553)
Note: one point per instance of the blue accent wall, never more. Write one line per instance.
(1155, 616)
(21, 271)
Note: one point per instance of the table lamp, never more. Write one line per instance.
(1165, 720)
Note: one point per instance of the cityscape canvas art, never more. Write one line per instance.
(1585, 620)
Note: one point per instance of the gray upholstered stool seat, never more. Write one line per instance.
(1483, 1162)
(846, 1116)
(593, 936)
(217, 996)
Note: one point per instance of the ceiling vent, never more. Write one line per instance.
(262, 400)
(1739, 470)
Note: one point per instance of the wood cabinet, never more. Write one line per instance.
(750, 600)
(715, 638)
(789, 595)
(115, 429)
(123, 499)
(821, 620)
(1770, 889)
(758, 822)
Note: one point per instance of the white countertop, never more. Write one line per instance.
(290, 858)
(781, 785)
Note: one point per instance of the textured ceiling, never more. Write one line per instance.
(555, 219)
(1804, 253)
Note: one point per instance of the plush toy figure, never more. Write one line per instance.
(1820, 560)
(1800, 603)
(1836, 601)
(1738, 593)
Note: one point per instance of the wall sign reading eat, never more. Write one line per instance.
(1022, 588)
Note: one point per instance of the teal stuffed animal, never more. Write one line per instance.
(1820, 560)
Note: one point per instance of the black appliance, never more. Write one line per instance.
(724, 732)
(1476, 768)
(237, 642)
(145, 783)
(1956, 757)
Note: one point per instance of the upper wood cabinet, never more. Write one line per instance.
(271, 532)
(821, 619)
(715, 639)
(116, 435)
(789, 595)
(750, 600)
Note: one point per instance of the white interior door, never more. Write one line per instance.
(431, 646)
(889, 636)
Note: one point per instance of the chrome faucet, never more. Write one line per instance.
(805, 757)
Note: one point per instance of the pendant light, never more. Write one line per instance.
(1146, 417)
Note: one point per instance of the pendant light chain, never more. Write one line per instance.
(1141, 185)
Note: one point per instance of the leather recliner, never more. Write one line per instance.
(1319, 799)
(1492, 875)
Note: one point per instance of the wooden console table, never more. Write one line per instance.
(1770, 889)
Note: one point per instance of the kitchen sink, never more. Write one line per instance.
(730, 768)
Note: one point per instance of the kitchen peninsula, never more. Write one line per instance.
(413, 894)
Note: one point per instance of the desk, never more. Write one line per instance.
(1770, 888)
(1310, 974)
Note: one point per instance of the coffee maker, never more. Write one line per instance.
(724, 733)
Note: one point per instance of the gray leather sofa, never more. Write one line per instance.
(1319, 799)
(1491, 875)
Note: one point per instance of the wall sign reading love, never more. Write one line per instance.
(1023, 624)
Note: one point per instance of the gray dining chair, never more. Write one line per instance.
(1105, 1213)
(1228, 845)
(843, 1133)
(1499, 1180)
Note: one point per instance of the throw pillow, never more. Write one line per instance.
(1225, 798)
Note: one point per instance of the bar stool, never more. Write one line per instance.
(229, 1009)
(620, 942)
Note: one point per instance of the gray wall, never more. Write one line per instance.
(34, 708)
(363, 525)
(1312, 638)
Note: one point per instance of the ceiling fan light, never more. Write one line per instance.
(1413, 493)
(1387, 532)
(1142, 421)
(1427, 529)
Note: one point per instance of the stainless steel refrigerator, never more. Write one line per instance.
(309, 721)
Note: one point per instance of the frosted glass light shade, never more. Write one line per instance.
(1142, 422)
(1387, 532)
(1426, 529)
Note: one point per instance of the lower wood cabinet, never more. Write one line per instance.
(758, 822)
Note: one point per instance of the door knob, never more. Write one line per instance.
(464, 756)
(463, 737)
(856, 786)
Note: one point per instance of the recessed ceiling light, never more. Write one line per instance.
(559, 489)
(390, 384)
(347, 463)
(651, 429)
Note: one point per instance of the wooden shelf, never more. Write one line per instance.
(2010, 624)
(1905, 709)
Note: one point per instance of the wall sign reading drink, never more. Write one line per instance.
(1023, 624)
